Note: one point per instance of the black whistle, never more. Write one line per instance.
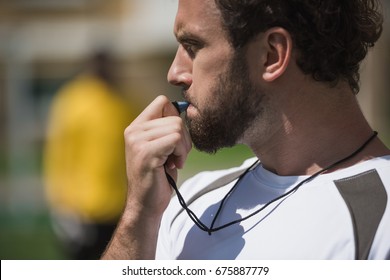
(181, 106)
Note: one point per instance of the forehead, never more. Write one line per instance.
(198, 16)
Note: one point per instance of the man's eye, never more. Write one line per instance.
(190, 49)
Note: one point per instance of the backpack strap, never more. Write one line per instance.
(366, 199)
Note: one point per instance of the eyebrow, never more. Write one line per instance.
(185, 36)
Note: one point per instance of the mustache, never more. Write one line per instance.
(186, 97)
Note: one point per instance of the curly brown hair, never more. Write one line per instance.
(332, 36)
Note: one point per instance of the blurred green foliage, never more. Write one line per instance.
(27, 236)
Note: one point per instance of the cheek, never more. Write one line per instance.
(205, 76)
(256, 62)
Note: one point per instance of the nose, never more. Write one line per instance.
(180, 72)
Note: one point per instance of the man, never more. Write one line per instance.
(85, 178)
(280, 77)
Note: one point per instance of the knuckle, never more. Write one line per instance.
(176, 137)
(176, 127)
(128, 130)
(130, 136)
(162, 99)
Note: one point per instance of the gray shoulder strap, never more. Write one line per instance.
(366, 198)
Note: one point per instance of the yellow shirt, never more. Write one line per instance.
(84, 159)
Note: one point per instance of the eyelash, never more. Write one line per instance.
(190, 49)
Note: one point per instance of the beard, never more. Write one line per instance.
(233, 106)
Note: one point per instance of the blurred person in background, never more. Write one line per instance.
(85, 179)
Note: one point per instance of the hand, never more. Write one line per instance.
(156, 141)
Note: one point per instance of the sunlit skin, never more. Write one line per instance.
(302, 125)
(202, 54)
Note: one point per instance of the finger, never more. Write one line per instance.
(175, 123)
(157, 128)
(158, 151)
(175, 155)
(159, 143)
(154, 129)
(178, 157)
(160, 107)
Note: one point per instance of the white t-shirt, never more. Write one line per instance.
(312, 223)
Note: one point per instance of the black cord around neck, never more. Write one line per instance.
(212, 229)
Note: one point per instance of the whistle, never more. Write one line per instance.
(181, 106)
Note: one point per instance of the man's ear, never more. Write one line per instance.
(278, 46)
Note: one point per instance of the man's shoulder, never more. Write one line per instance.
(379, 164)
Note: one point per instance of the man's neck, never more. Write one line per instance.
(316, 133)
